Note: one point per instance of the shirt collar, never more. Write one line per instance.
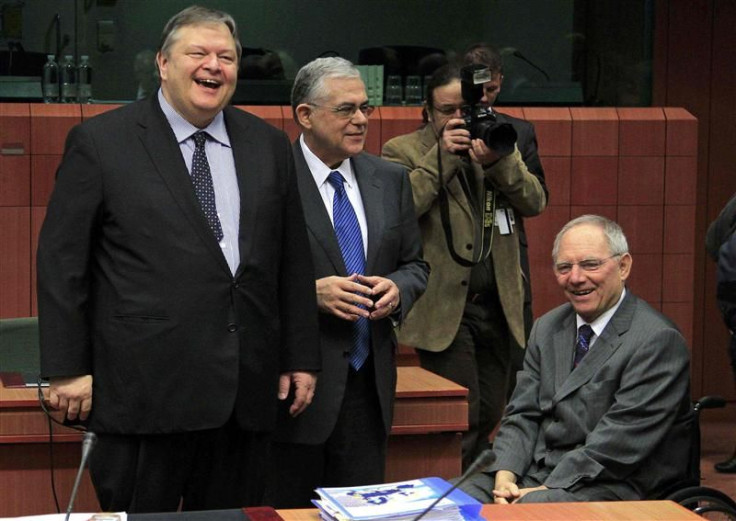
(600, 323)
(183, 130)
(321, 171)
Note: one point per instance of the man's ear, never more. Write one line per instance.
(161, 63)
(303, 115)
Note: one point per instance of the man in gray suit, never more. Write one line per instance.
(366, 249)
(609, 424)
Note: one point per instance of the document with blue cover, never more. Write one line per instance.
(401, 501)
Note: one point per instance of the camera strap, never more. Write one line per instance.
(483, 226)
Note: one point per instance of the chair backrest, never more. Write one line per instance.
(19, 350)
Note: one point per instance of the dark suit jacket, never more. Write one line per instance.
(394, 252)
(134, 289)
(621, 419)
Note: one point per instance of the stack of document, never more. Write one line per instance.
(401, 501)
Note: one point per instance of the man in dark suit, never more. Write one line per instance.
(176, 304)
(341, 439)
(602, 409)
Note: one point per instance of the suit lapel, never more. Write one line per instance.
(563, 345)
(246, 156)
(163, 150)
(371, 193)
(603, 348)
(315, 213)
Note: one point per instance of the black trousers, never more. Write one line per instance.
(478, 358)
(354, 454)
(202, 470)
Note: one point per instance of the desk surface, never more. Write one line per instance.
(601, 511)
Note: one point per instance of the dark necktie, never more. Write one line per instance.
(202, 180)
(350, 239)
(583, 343)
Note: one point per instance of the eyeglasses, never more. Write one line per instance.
(587, 265)
(446, 110)
(348, 110)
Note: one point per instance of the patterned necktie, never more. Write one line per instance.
(583, 344)
(350, 240)
(202, 180)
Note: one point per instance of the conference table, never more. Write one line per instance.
(430, 413)
(594, 511)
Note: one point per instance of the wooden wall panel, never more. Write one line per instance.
(553, 127)
(50, 124)
(15, 180)
(595, 131)
(582, 150)
(15, 128)
(15, 265)
(641, 131)
(641, 180)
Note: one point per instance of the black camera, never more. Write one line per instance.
(480, 120)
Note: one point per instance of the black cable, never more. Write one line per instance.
(49, 420)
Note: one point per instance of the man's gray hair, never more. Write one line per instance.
(615, 237)
(309, 84)
(197, 15)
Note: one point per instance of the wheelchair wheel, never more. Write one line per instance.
(716, 513)
(705, 500)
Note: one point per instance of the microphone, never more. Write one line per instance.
(485, 459)
(88, 441)
(517, 54)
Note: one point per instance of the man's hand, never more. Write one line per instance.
(304, 384)
(387, 293)
(72, 395)
(524, 491)
(481, 154)
(455, 137)
(342, 296)
(504, 489)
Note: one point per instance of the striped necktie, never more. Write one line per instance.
(585, 333)
(350, 239)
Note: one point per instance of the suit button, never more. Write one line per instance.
(468, 247)
(464, 283)
(236, 285)
(232, 328)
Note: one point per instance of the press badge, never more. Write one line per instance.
(505, 220)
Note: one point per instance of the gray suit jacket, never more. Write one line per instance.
(621, 419)
(394, 252)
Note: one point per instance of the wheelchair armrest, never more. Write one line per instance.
(709, 402)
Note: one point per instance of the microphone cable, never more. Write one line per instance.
(50, 420)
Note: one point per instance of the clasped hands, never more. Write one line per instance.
(350, 298)
(456, 140)
(505, 489)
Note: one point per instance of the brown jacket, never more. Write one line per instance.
(433, 322)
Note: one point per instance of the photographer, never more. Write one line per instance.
(471, 316)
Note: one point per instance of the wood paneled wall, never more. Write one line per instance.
(634, 165)
(693, 67)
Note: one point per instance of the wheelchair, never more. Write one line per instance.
(704, 501)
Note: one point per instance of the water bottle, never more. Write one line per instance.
(84, 80)
(68, 80)
(50, 80)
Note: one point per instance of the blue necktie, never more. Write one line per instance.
(202, 180)
(583, 344)
(350, 240)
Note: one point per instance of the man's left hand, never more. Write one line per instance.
(481, 154)
(524, 491)
(304, 385)
(387, 293)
